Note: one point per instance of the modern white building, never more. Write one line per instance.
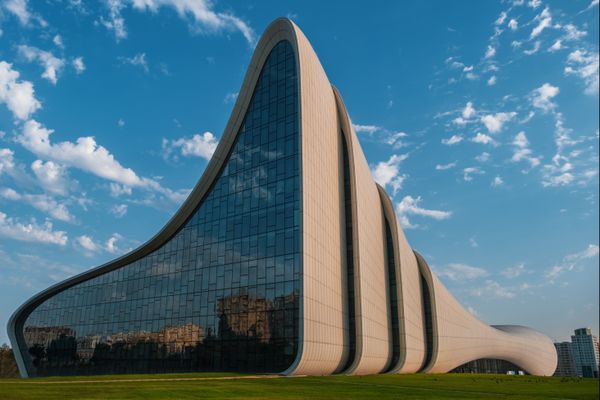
(287, 257)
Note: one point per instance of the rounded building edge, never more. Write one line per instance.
(525, 347)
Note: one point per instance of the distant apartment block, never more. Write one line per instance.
(586, 359)
(566, 366)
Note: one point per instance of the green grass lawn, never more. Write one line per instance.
(206, 385)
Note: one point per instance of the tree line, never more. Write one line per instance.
(8, 365)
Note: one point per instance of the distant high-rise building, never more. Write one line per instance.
(565, 365)
(585, 353)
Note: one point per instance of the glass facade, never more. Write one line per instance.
(393, 295)
(427, 319)
(223, 293)
(488, 366)
(349, 255)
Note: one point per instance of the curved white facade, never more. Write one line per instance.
(367, 303)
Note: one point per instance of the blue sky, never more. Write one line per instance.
(480, 118)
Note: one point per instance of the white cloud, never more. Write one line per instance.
(9, 194)
(470, 171)
(545, 21)
(571, 261)
(460, 121)
(115, 21)
(557, 175)
(492, 80)
(57, 40)
(52, 65)
(534, 3)
(542, 97)
(462, 272)
(200, 145)
(528, 118)
(536, 47)
(7, 161)
(19, 96)
(513, 24)
(501, 18)
(84, 154)
(593, 4)
(138, 60)
(493, 289)
(388, 172)
(522, 150)
(230, 97)
(471, 76)
(119, 210)
(513, 272)
(117, 190)
(51, 176)
(443, 167)
(87, 243)
(368, 129)
(490, 52)
(87, 155)
(482, 138)
(78, 65)
(483, 157)
(19, 9)
(40, 202)
(410, 206)
(111, 243)
(572, 33)
(454, 63)
(584, 65)
(590, 252)
(31, 232)
(394, 139)
(204, 18)
(469, 111)
(495, 122)
(562, 171)
(498, 181)
(454, 139)
(556, 46)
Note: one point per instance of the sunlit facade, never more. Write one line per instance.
(286, 258)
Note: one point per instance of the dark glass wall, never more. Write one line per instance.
(392, 295)
(349, 255)
(222, 294)
(428, 321)
(488, 366)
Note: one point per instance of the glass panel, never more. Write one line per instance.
(488, 366)
(349, 255)
(220, 295)
(393, 295)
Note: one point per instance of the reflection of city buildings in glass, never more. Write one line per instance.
(286, 257)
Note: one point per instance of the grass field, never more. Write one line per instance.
(208, 386)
